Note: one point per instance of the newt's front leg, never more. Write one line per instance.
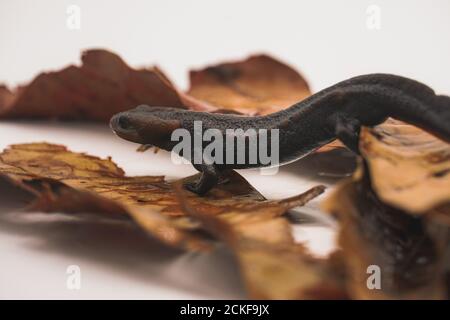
(347, 131)
(209, 178)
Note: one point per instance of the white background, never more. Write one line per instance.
(327, 41)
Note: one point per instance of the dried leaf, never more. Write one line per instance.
(6, 97)
(102, 86)
(75, 182)
(62, 190)
(410, 169)
(336, 144)
(378, 229)
(103, 177)
(273, 266)
(409, 251)
(257, 85)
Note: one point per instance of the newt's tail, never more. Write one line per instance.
(414, 103)
(431, 113)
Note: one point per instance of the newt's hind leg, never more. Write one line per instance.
(347, 130)
(209, 178)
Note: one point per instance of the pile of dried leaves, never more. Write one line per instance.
(394, 213)
(273, 265)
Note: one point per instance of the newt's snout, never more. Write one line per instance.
(144, 127)
(123, 125)
(119, 122)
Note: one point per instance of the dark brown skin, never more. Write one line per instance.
(336, 112)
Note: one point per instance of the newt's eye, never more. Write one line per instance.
(124, 122)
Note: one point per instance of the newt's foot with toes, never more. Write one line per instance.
(208, 179)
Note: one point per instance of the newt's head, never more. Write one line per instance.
(146, 125)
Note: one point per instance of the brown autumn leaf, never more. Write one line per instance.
(272, 265)
(72, 182)
(102, 86)
(407, 163)
(406, 237)
(64, 181)
(6, 96)
(409, 251)
(257, 85)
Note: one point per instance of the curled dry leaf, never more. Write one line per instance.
(257, 85)
(65, 181)
(409, 167)
(6, 97)
(272, 265)
(406, 253)
(72, 182)
(102, 86)
(404, 237)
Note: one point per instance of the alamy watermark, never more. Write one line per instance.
(73, 21)
(373, 20)
(73, 281)
(229, 147)
(374, 279)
